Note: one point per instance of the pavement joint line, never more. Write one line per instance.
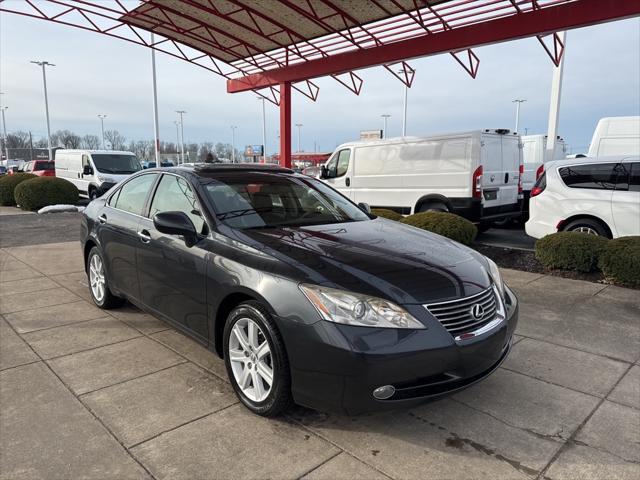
(128, 379)
(79, 400)
(577, 349)
(92, 348)
(21, 365)
(48, 306)
(53, 327)
(57, 285)
(551, 383)
(571, 439)
(335, 444)
(168, 430)
(324, 462)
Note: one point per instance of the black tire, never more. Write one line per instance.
(433, 207)
(484, 226)
(594, 227)
(279, 398)
(93, 193)
(109, 300)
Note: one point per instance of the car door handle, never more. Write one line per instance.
(347, 182)
(145, 236)
(102, 218)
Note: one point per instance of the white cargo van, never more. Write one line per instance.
(616, 136)
(474, 174)
(94, 172)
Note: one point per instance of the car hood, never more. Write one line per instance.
(380, 257)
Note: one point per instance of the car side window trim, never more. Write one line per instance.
(116, 194)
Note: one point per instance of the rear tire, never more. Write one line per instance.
(588, 226)
(254, 353)
(99, 283)
(433, 207)
(483, 226)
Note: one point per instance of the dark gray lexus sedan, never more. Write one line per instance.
(308, 297)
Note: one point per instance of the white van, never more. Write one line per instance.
(533, 156)
(473, 174)
(94, 172)
(616, 136)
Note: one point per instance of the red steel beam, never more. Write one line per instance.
(580, 13)
(285, 124)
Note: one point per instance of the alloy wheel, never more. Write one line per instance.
(251, 359)
(587, 230)
(96, 278)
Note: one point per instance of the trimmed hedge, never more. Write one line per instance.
(44, 191)
(620, 260)
(570, 251)
(385, 213)
(446, 224)
(8, 184)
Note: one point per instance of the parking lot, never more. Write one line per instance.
(119, 394)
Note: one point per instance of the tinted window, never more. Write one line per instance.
(600, 176)
(634, 177)
(175, 194)
(134, 193)
(116, 163)
(261, 201)
(44, 166)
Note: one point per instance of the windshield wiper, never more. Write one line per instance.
(240, 213)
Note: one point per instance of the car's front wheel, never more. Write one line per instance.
(256, 360)
(98, 282)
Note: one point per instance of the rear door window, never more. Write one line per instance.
(599, 176)
(634, 177)
(44, 166)
(133, 194)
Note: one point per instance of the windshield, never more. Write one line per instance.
(44, 166)
(116, 163)
(263, 200)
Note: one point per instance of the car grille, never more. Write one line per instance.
(457, 317)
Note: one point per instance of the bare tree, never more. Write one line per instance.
(205, 149)
(66, 139)
(114, 139)
(18, 139)
(91, 142)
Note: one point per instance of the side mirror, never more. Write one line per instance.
(176, 223)
(324, 172)
(87, 170)
(365, 207)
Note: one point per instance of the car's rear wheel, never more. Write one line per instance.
(433, 207)
(98, 282)
(256, 360)
(588, 226)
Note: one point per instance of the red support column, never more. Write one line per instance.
(285, 124)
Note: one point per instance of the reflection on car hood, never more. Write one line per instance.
(378, 257)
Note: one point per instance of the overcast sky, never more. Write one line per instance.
(98, 74)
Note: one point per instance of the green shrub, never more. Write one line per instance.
(43, 191)
(445, 224)
(385, 213)
(570, 251)
(620, 260)
(8, 185)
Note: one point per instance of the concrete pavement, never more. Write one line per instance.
(119, 394)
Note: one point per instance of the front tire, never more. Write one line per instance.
(93, 194)
(433, 207)
(588, 226)
(99, 283)
(256, 360)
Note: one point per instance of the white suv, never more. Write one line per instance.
(599, 196)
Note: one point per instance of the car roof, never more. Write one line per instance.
(589, 160)
(205, 169)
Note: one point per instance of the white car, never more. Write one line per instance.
(599, 196)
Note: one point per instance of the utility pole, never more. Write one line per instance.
(384, 116)
(181, 112)
(30, 146)
(45, 64)
(4, 134)
(518, 102)
(264, 132)
(156, 133)
(102, 116)
(233, 143)
(404, 107)
(554, 106)
(299, 125)
(177, 123)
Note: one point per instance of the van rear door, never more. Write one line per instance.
(511, 158)
(492, 177)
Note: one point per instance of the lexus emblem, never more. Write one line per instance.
(477, 311)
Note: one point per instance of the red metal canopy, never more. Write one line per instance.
(282, 44)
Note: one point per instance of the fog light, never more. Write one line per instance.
(382, 393)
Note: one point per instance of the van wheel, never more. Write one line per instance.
(433, 207)
(484, 226)
(93, 193)
(588, 226)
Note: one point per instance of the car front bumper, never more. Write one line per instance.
(337, 367)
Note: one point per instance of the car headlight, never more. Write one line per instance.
(106, 179)
(354, 309)
(494, 272)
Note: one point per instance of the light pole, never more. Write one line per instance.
(233, 143)
(4, 134)
(384, 116)
(299, 125)
(156, 132)
(177, 123)
(518, 102)
(404, 107)
(102, 117)
(45, 64)
(264, 132)
(181, 112)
